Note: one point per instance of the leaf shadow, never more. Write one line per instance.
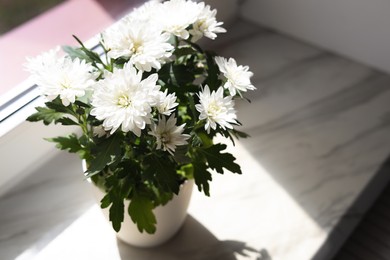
(194, 242)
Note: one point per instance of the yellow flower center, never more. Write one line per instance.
(213, 109)
(165, 138)
(124, 101)
(65, 83)
(201, 24)
(137, 47)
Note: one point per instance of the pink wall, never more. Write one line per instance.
(84, 18)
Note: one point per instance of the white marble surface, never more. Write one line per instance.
(319, 125)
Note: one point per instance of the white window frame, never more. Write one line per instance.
(22, 145)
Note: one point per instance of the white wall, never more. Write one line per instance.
(359, 29)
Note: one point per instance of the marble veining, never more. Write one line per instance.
(319, 126)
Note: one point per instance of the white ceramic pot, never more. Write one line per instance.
(170, 218)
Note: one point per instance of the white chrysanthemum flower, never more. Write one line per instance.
(216, 109)
(237, 77)
(168, 135)
(124, 100)
(166, 103)
(145, 44)
(177, 15)
(206, 25)
(40, 63)
(61, 76)
(145, 12)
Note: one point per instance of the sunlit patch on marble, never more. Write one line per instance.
(89, 235)
(258, 210)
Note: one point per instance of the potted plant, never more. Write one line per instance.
(148, 102)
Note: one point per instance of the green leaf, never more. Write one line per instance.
(212, 79)
(164, 172)
(106, 201)
(161, 197)
(55, 112)
(206, 140)
(239, 134)
(181, 156)
(164, 73)
(106, 153)
(117, 212)
(233, 134)
(66, 121)
(70, 143)
(187, 171)
(46, 115)
(184, 51)
(201, 176)
(75, 53)
(82, 104)
(57, 105)
(192, 107)
(93, 56)
(217, 160)
(196, 141)
(140, 211)
(182, 75)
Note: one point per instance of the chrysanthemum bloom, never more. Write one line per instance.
(237, 77)
(177, 15)
(143, 43)
(61, 76)
(206, 25)
(124, 100)
(166, 103)
(145, 12)
(168, 135)
(216, 109)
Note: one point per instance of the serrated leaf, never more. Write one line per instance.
(66, 121)
(117, 213)
(141, 212)
(106, 201)
(201, 176)
(164, 172)
(125, 187)
(71, 144)
(82, 104)
(46, 115)
(239, 134)
(161, 198)
(183, 51)
(75, 53)
(164, 73)
(182, 75)
(57, 106)
(91, 54)
(196, 141)
(187, 171)
(231, 134)
(181, 156)
(192, 107)
(206, 140)
(107, 151)
(212, 79)
(217, 160)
